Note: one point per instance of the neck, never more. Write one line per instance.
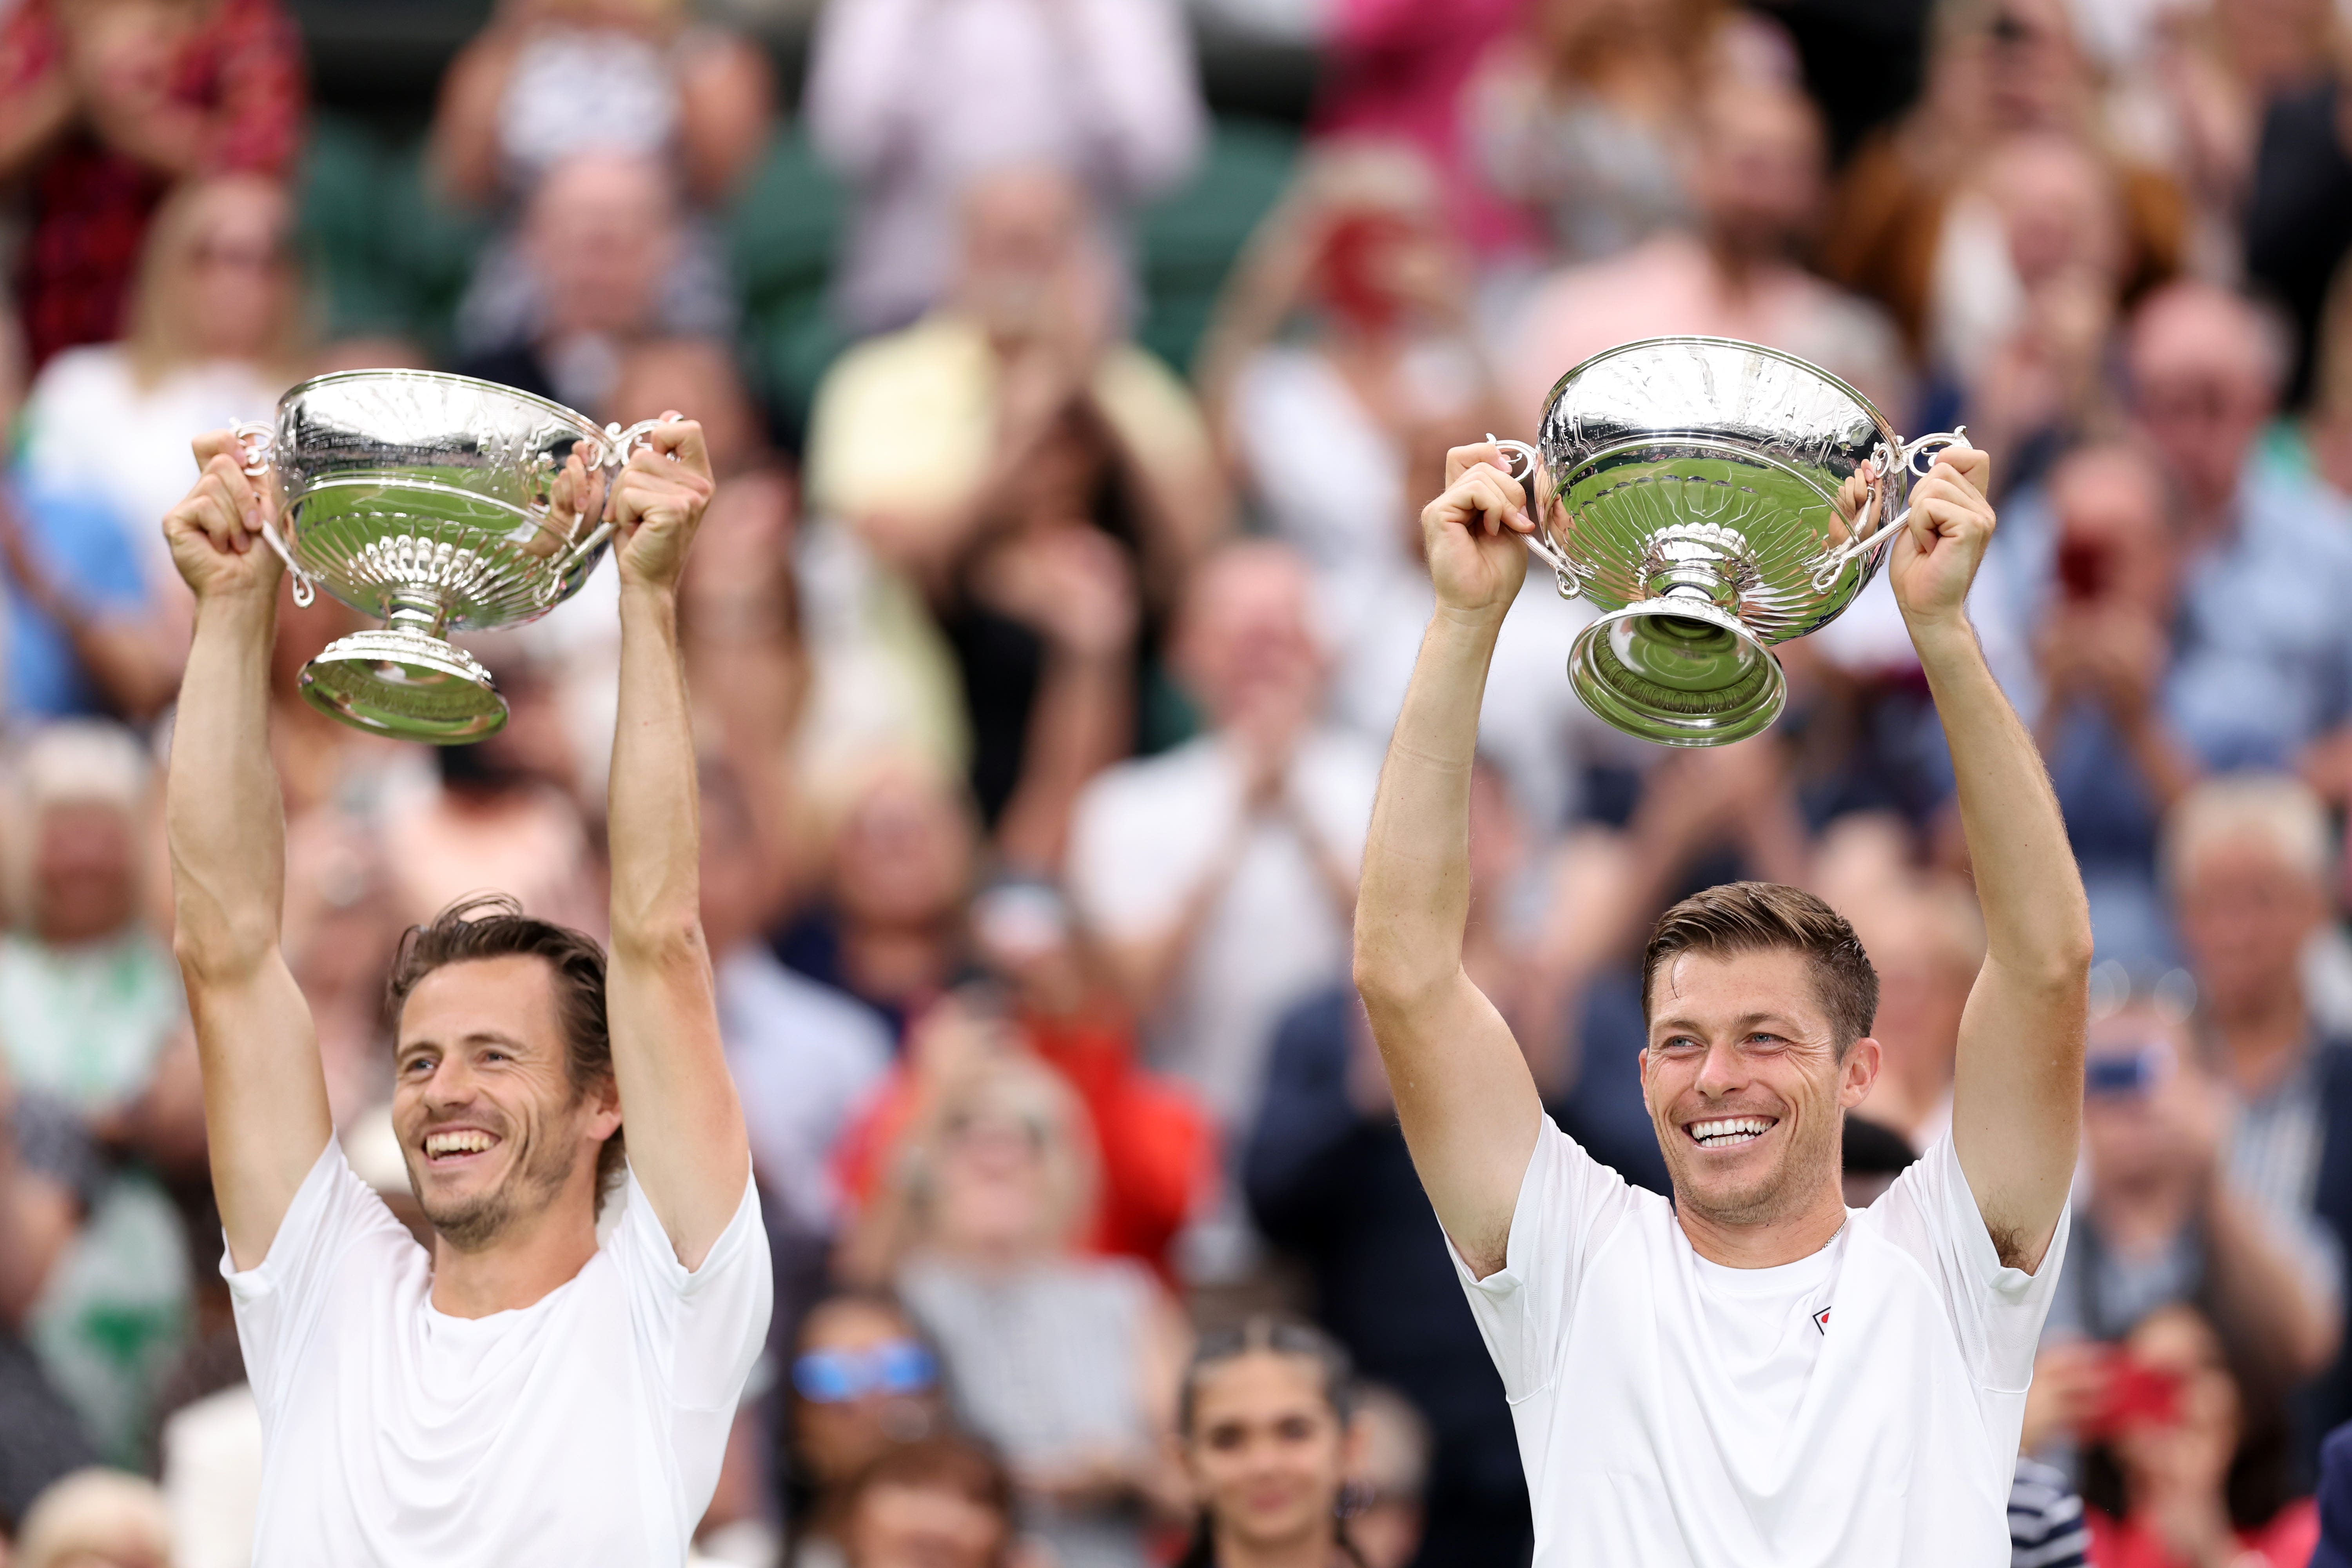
(2263, 1040)
(1789, 1237)
(530, 1258)
(1316, 1550)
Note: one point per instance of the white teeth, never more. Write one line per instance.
(465, 1140)
(1730, 1129)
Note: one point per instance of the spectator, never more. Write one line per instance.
(1391, 1477)
(1264, 1422)
(212, 335)
(1926, 939)
(96, 1517)
(549, 78)
(2104, 654)
(599, 263)
(103, 107)
(911, 103)
(863, 1384)
(944, 1502)
(2296, 233)
(340, 921)
(1067, 1363)
(41, 1438)
(2263, 667)
(2045, 1519)
(886, 925)
(1221, 876)
(2173, 1486)
(1757, 185)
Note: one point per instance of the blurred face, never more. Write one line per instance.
(1022, 233)
(2137, 1086)
(2059, 206)
(699, 380)
(1759, 177)
(2115, 545)
(602, 233)
(993, 1193)
(1266, 1454)
(2198, 388)
(1744, 1084)
(2031, 74)
(2203, 1434)
(2244, 914)
(937, 1526)
(1246, 642)
(733, 877)
(1923, 986)
(239, 268)
(855, 1389)
(85, 882)
(492, 1129)
(904, 856)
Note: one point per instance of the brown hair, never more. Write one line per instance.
(156, 329)
(1754, 917)
(492, 925)
(946, 1463)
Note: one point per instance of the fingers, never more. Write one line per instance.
(221, 505)
(678, 439)
(1460, 460)
(1483, 499)
(1972, 466)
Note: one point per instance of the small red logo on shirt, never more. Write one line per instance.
(1822, 1320)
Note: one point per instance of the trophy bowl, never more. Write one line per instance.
(438, 504)
(1713, 497)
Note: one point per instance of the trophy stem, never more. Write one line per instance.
(412, 611)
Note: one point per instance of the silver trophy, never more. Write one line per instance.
(440, 504)
(1714, 498)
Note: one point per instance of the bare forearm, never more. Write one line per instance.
(222, 810)
(2267, 1302)
(655, 801)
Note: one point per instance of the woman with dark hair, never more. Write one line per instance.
(864, 1382)
(942, 1502)
(1264, 1422)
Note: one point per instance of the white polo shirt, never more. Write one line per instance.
(585, 1428)
(1860, 1407)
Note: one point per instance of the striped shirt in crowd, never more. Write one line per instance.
(2045, 1520)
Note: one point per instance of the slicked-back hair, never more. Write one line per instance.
(1762, 917)
(492, 925)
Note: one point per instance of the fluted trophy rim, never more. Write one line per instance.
(1746, 345)
(587, 427)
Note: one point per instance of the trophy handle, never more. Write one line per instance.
(619, 447)
(1524, 463)
(255, 441)
(1864, 536)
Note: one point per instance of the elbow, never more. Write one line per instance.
(1392, 982)
(658, 940)
(223, 958)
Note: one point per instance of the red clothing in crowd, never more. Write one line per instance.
(1158, 1150)
(241, 63)
(2286, 1541)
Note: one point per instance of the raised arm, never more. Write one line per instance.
(265, 1116)
(1464, 1093)
(686, 1143)
(2017, 1101)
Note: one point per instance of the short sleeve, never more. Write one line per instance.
(337, 1235)
(704, 1327)
(1996, 1311)
(1568, 1202)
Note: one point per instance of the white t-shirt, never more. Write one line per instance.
(585, 1428)
(1860, 1407)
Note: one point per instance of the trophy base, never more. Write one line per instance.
(402, 683)
(1678, 671)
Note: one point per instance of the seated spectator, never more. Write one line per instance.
(44, 1158)
(804, 1056)
(1221, 876)
(886, 923)
(911, 103)
(1996, 69)
(1756, 181)
(103, 106)
(863, 1384)
(1067, 1362)
(1265, 1425)
(595, 267)
(212, 335)
(1391, 1475)
(96, 1518)
(2263, 673)
(2103, 621)
(2163, 1219)
(944, 1502)
(1580, 117)
(1157, 1149)
(2172, 1482)
(549, 78)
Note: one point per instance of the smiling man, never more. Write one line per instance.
(519, 1393)
(1752, 1374)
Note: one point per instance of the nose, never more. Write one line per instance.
(1722, 1071)
(451, 1085)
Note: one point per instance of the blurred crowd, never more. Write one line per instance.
(1041, 680)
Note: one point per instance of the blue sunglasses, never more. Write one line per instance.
(835, 1377)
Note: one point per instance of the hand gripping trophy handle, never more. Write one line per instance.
(254, 441)
(619, 447)
(1864, 536)
(1525, 464)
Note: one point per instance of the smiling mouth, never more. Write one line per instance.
(457, 1143)
(1729, 1131)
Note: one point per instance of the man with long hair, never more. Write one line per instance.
(1753, 1373)
(518, 1392)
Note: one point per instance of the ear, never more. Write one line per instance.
(604, 1103)
(1859, 1071)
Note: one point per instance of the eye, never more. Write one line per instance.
(1678, 1045)
(413, 1063)
(1765, 1040)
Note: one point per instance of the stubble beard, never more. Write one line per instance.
(476, 1223)
(1783, 1191)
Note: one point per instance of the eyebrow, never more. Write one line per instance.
(478, 1038)
(1780, 1022)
